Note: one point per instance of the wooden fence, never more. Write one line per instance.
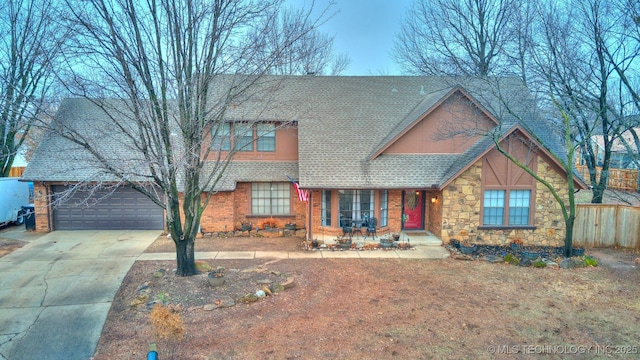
(16, 171)
(603, 225)
(619, 179)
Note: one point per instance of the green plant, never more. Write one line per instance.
(163, 296)
(511, 259)
(539, 264)
(590, 261)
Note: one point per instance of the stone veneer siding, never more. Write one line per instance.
(462, 200)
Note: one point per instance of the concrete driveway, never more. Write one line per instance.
(56, 291)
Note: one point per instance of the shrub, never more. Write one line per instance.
(511, 259)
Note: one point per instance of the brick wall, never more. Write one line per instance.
(461, 202)
(228, 210)
(41, 203)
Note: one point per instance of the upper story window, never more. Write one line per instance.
(222, 140)
(245, 135)
(266, 137)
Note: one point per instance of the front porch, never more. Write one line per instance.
(412, 237)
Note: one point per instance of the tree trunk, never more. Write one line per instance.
(568, 240)
(185, 242)
(185, 257)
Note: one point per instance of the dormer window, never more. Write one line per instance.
(245, 135)
(266, 140)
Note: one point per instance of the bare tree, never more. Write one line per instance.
(468, 37)
(583, 43)
(312, 54)
(164, 66)
(30, 43)
(568, 204)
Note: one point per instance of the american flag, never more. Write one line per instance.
(303, 195)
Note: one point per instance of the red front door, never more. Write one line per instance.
(413, 210)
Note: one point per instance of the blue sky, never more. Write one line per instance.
(365, 30)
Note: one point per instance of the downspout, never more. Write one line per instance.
(308, 216)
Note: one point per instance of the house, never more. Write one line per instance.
(621, 155)
(411, 152)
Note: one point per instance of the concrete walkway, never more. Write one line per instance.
(420, 252)
(56, 291)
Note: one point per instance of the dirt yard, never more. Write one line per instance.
(381, 309)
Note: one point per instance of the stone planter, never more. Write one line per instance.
(515, 247)
(530, 255)
(467, 249)
(345, 245)
(290, 227)
(215, 278)
(455, 243)
(386, 243)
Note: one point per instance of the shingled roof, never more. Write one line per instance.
(343, 123)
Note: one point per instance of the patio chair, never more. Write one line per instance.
(347, 230)
(371, 227)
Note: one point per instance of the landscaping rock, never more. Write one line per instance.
(225, 302)
(287, 283)
(159, 273)
(203, 266)
(572, 262)
(493, 258)
(276, 288)
(462, 257)
(249, 298)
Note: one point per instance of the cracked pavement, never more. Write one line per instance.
(56, 291)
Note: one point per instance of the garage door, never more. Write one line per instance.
(121, 209)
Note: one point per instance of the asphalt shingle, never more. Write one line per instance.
(343, 123)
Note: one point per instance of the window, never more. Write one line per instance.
(270, 198)
(355, 206)
(243, 137)
(222, 140)
(493, 207)
(518, 207)
(384, 208)
(326, 208)
(509, 191)
(266, 140)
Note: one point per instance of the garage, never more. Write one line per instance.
(122, 209)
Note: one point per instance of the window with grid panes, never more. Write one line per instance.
(222, 140)
(493, 207)
(243, 136)
(270, 198)
(384, 207)
(266, 137)
(519, 207)
(326, 208)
